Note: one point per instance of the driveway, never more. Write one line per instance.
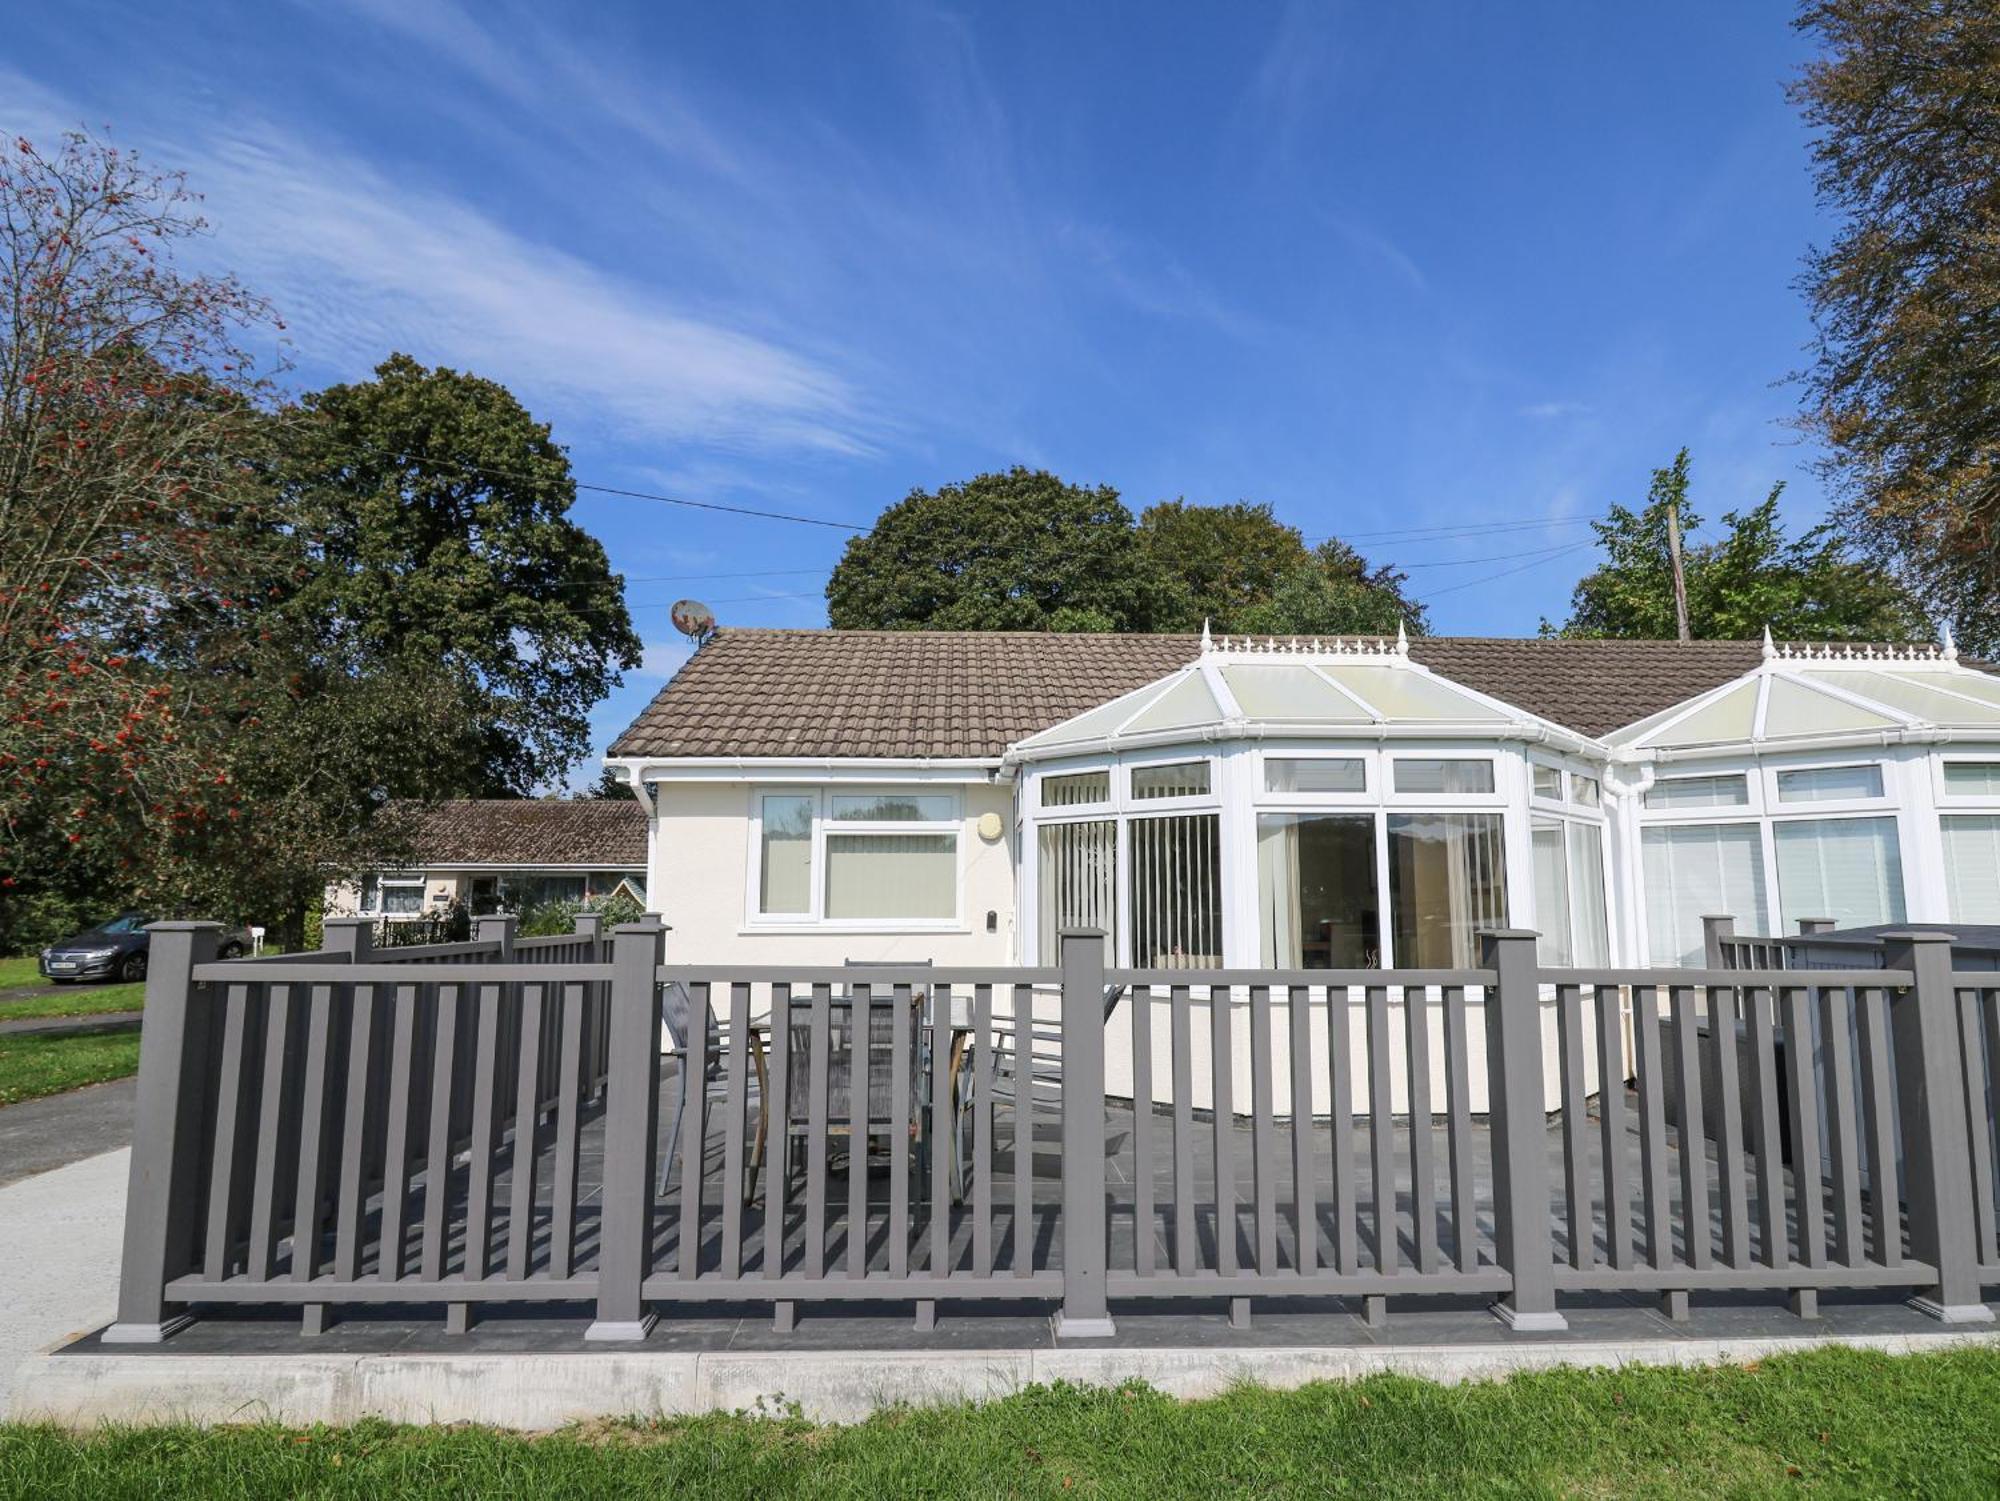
(37, 1136)
(60, 1239)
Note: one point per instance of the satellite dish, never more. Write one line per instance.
(693, 619)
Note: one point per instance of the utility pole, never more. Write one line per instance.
(1680, 577)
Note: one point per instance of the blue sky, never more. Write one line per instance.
(1398, 270)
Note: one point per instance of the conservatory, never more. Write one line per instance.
(1294, 805)
(1307, 805)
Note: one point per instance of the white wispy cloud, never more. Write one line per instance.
(1549, 410)
(360, 263)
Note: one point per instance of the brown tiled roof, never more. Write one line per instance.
(973, 693)
(608, 832)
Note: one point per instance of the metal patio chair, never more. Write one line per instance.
(877, 1053)
(677, 1016)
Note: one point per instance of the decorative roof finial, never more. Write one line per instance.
(1402, 640)
(1770, 647)
(1206, 644)
(1950, 644)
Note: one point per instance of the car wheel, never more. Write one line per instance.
(134, 967)
(232, 951)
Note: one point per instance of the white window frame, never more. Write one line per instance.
(1775, 800)
(1964, 801)
(1121, 784)
(383, 879)
(815, 920)
(1444, 802)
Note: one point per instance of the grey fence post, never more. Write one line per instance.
(352, 936)
(1808, 926)
(498, 928)
(1085, 1313)
(631, 1124)
(1716, 932)
(1930, 1104)
(166, 1130)
(1523, 1224)
(589, 926)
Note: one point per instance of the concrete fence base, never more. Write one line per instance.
(86, 1389)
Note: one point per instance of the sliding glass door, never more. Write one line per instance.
(1448, 879)
(1318, 906)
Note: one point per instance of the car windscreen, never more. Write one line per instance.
(129, 922)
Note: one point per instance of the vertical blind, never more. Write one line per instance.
(1077, 884)
(1589, 912)
(1697, 870)
(1848, 869)
(1176, 892)
(1552, 905)
(1972, 866)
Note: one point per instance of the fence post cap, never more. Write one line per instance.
(1081, 933)
(647, 924)
(1918, 935)
(1509, 933)
(203, 925)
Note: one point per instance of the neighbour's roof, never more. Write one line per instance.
(609, 833)
(971, 694)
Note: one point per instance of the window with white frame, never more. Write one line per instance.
(1696, 870)
(1317, 903)
(1447, 880)
(1315, 774)
(392, 895)
(1447, 776)
(1570, 910)
(1728, 790)
(1972, 779)
(1076, 881)
(1076, 789)
(857, 857)
(1170, 779)
(1847, 869)
(1830, 784)
(1972, 865)
(1176, 890)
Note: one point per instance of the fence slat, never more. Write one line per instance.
(527, 1135)
(1979, 1118)
(777, 1108)
(1654, 1195)
(819, 1041)
(437, 1157)
(1722, 1053)
(219, 1238)
(735, 1129)
(1697, 1233)
(1803, 1102)
(694, 1133)
(861, 1047)
(900, 1072)
(1340, 1083)
(946, 1070)
(1885, 1220)
(1186, 1258)
(488, 1018)
(348, 1206)
(1381, 1132)
(1305, 1211)
(307, 1202)
(1760, 1004)
(985, 1070)
(1222, 1068)
(1144, 1236)
(1024, 1133)
(1612, 1127)
(1423, 1149)
(573, 1001)
(1459, 1145)
(272, 1115)
(1836, 1017)
(1575, 1127)
(1263, 1131)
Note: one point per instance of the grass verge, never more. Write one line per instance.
(33, 1066)
(19, 971)
(1835, 1422)
(76, 1000)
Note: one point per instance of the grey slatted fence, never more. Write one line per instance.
(347, 1129)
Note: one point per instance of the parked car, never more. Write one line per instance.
(116, 950)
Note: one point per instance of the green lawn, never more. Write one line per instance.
(34, 1066)
(76, 1000)
(21, 971)
(1831, 1422)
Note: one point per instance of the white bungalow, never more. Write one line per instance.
(816, 796)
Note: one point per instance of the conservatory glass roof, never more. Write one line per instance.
(1805, 693)
(1284, 688)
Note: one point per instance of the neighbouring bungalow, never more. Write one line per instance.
(501, 855)
(815, 796)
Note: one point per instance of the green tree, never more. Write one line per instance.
(610, 786)
(434, 513)
(1807, 588)
(1019, 551)
(1215, 563)
(1335, 593)
(1904, 387)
